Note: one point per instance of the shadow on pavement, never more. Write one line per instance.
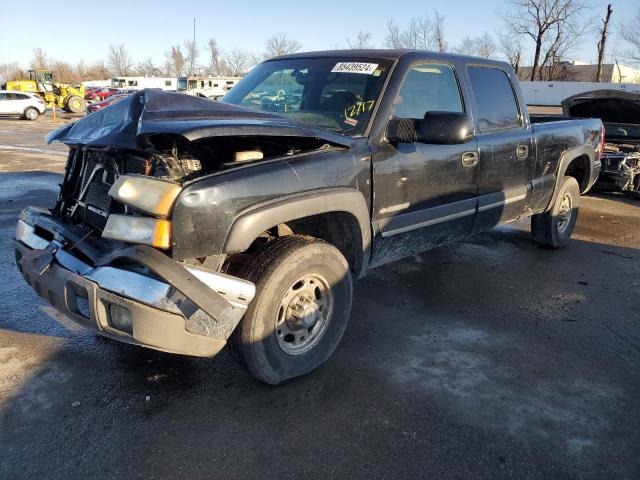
(490, 358)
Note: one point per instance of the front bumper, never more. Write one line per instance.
(159, 304)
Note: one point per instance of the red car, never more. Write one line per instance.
(94, 107)
(101, 94)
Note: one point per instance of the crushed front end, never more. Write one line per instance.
(106, 256)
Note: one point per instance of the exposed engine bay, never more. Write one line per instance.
(621, 167)
(620, 115)
(171, 137)
(84, 195)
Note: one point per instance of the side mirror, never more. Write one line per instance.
(441, 128)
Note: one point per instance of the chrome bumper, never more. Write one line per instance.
(161, 316)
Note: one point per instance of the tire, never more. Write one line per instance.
(553, 229)
(300, 310)
(31, 114)
(75, 104)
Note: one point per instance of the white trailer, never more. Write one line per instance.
(138, 83)
(96, 84)
(551, 94)
(209, 87)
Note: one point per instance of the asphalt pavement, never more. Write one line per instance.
(490, 358)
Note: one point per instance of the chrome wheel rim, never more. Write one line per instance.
(31, 115)
(564, 212)
(304, 314)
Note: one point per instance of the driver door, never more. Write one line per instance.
(425, 195)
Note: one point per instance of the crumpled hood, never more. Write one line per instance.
(611, 106)
(130, 122)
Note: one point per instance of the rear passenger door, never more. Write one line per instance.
(506, 149)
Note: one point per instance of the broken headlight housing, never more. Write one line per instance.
(146, 194)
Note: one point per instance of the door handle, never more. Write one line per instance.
(522, 152)
(469, 159)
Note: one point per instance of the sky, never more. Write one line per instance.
(84, 30)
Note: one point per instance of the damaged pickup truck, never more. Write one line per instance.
(184, 225)
(620, 113)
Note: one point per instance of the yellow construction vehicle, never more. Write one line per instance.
(60, 95)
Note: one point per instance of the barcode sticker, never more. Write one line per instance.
(354, 67)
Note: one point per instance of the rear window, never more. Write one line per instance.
(16, 96)
(495, 99)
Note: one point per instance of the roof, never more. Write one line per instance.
(384, 54)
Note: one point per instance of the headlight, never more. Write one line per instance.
(147, 194)
(148, 231)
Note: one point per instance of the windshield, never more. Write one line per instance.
(328, 93)
(182, 84)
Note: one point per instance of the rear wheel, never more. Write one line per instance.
(300, 311)
(75, 104)
(31, 114)
(553, 229)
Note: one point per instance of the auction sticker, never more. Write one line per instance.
(355, 67)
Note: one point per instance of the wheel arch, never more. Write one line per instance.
(338, 216)
(576, 162)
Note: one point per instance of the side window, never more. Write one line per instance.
(3, 96)
(497, 106)
(428, 87)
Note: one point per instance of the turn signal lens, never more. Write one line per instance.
(162, 234)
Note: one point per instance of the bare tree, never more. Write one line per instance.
(119, 60)
(278, 44)
(511, 48)
(96, 71)
(423, 33)
(64, 72)
(629, 34)
(362, 40)
(10, 71)
(238, 61)
(483, 46)
(39, 60)
(419, 35)
(215, 58)
(175, 62)
(603, 42)
(542, 20)
(147, 68)
(438, 32)
(393, 39)
(192, 52)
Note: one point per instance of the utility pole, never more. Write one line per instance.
(602, 42)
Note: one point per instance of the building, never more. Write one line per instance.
(578, 72)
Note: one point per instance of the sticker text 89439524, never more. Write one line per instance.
(355, 67)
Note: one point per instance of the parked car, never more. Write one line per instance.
(620, 113)
(28, 105)
(94, 107)
(101, 94)
(183, 224)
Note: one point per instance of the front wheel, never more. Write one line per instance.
(300, 311)
(75, 104)
(553, 229)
